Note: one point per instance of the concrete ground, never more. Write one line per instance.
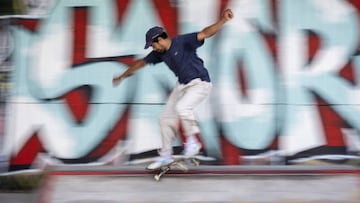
(239, 188)
(248, 184)
(19, 197)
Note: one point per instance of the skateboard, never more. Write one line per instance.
(180, 162)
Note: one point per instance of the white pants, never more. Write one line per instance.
(180, 108)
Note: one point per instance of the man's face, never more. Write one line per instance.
(158, 45)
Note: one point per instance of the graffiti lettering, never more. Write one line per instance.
(284, 73)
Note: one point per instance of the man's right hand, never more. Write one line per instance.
(117, 80)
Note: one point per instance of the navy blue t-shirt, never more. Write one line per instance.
(182, 59)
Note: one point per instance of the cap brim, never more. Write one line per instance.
(147, 45)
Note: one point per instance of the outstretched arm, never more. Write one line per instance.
(133, 68)
(212, 29)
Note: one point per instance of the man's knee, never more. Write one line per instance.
(184, 112)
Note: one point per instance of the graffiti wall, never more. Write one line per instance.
(285, 74)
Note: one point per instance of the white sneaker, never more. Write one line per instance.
(159, 162)
(192, 148)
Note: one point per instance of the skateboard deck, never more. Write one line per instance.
(180, 162)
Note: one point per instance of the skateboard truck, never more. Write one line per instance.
(180, 163)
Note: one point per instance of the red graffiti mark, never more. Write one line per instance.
(77, 102)
(168, 15)
(356, 4)
(182, 133)
(271, 42)
(348, 73)
(223, 5)
(242, 80)
(29, 24)
(274, 13)
(80, 22)
(230, 153)
(121, 6)
(332, 123)
(26, 156)
(118, 132)
(313, 45)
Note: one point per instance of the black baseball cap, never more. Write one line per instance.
(151, 34)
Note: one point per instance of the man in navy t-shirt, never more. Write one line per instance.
(192, 88)
(181, 58)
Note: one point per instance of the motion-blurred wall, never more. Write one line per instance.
(285, 80)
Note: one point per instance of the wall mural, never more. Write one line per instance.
(285, 81)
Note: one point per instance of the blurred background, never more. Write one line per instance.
(285, 81)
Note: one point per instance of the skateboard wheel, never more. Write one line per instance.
(157, 177)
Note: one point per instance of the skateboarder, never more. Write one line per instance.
(192, 88)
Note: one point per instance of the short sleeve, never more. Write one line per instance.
(152, 58)
(192, 41)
